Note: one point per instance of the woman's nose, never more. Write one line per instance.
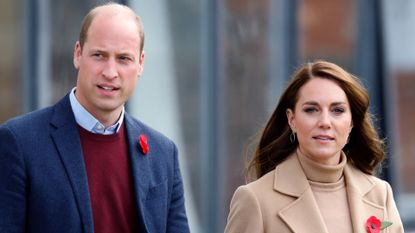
(324, 120)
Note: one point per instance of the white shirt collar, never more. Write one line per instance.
(87, 121)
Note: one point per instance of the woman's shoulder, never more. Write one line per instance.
(262, 195)
(377, 181)
(381, 189)
(287, 178)
(264, 182)
(372, 187)
(359, 175)
(255, 190)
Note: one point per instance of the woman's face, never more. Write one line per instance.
(322, 120)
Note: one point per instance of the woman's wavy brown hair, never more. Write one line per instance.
(365, 149)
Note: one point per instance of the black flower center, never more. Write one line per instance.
(373, 226)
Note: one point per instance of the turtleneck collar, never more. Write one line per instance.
(322, 173)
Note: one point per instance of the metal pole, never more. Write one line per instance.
(212, 134)
(30, 31)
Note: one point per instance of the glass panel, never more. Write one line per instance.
(184, 18)
(246, 74)
(11, 21)
(180, 37)
(67, 17)
(167, 96)
(327, 30)
(399, 18)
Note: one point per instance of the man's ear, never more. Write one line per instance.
(141, 64)
(77, 53)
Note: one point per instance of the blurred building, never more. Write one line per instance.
(214, 71)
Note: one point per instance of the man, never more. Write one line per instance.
(84, 164)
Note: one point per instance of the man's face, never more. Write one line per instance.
(109, 65)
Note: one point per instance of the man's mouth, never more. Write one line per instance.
(107, 88)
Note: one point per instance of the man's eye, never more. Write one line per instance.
(125, 58)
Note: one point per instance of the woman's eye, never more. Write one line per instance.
(338, 110)
(310, 110)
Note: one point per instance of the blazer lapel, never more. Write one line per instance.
(358, 185)
(140, 166)
(302, 215)
(68, 144)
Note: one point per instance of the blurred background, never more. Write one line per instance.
(214, 70)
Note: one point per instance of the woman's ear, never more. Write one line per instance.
(290, 118)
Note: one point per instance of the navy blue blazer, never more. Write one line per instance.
(43, 181)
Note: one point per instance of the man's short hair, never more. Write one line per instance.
(87, 21)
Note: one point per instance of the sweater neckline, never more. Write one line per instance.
(322, 173)
(101, 137)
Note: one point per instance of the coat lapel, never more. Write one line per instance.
(68, 144)
(302, 215)
(140, 165)
(358, 186)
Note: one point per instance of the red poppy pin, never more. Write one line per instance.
(143, 143)
(374, 225)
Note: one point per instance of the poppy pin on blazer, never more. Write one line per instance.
(374, 225)
(142, 140)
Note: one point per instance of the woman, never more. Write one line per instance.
(315, 162)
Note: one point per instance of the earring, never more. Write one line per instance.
(292, 136)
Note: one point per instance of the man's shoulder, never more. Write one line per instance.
(143, 128)
(29, 119)
(32, 120)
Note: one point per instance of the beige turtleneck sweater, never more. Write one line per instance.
(329, 189)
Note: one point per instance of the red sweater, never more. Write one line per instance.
(110, 182)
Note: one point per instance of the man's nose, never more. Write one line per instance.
(110, 69)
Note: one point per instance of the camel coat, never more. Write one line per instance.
(282, 201)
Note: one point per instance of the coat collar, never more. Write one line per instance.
(68, 143)
(140, 166)
(359, 187)
(67, 140)
(302, 214)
